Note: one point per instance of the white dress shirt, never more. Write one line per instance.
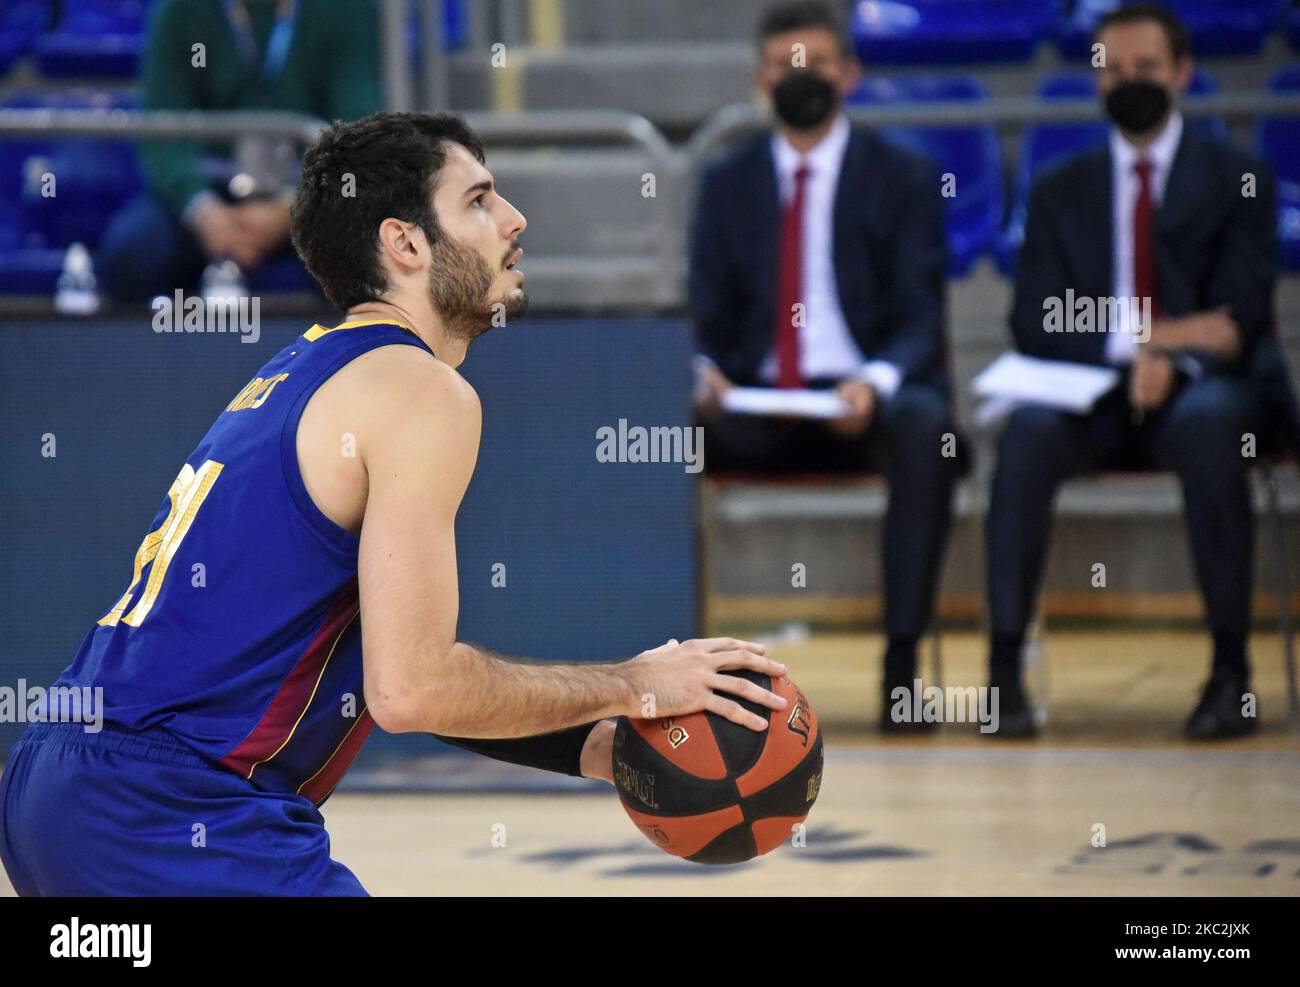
(1125, 185)
(826, 346)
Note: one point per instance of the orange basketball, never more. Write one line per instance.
(716, 792)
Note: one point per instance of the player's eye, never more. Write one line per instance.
(477, 201)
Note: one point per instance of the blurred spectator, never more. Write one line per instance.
(215, 201)
(1187, 225)
(817, 261)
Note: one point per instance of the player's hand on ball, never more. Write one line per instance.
(598, 751)
(676, 679)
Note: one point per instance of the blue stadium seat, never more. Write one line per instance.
(455, 28)
(14, 155)
(1236, 28)
(1278, 139)
(1045, 143)
(29, 271)
(1040, 145)
(1204, 84)
(95, 38)
(888, 32)
(1292, 27)
(92, 180)
(969, 153)
(455, 25)
(1217, 27)
(21, 21)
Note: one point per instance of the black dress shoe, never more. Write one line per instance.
(1218, 714)
(1016, 720)
(907, 723)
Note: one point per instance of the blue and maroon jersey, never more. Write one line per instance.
(239, 630)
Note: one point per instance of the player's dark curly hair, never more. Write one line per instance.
(357, 175)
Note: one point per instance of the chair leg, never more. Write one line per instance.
(1283, 597)
(1033, 663)
(704, 506)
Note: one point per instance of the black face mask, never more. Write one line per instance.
(804, 100)
(1137, 105)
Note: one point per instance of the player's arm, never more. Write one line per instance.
(565, 752)
(419, 442)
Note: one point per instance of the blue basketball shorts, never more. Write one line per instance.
(123, 812)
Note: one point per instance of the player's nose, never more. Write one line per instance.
(514, 222)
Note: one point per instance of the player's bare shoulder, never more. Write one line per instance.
(409, 392)
(379, 405)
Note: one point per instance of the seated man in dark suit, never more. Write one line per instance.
(1186, 225)
(818, 260)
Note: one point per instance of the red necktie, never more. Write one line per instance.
(789, 291)
(1144, 247)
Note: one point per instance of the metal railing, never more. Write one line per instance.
(742, 119)
(676, 167)
(158, 125)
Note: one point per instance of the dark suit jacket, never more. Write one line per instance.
(1214, 246)
(889, 247)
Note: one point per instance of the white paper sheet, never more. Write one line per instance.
(1014, 379)
(784, 401)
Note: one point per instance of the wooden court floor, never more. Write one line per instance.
(952, 814)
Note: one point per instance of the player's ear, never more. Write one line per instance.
(402, 243)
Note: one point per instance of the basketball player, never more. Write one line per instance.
(321, 505)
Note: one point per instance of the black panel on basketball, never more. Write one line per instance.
(640, 770)
(740, 745)
(735, 846)
(789, 795)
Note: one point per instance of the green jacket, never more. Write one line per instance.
(331, 71)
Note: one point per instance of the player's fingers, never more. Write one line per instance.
(716, 644)
(736, 713)
(728, 661)
(746, 689)
(665, 647)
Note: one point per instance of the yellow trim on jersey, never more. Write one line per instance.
(334, 752)
(318, 330)
(310, 699)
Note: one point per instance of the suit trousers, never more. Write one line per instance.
(1199, 433)
(907, 441)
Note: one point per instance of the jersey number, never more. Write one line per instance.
(159, 546)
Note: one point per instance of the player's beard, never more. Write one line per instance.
(460, 283)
